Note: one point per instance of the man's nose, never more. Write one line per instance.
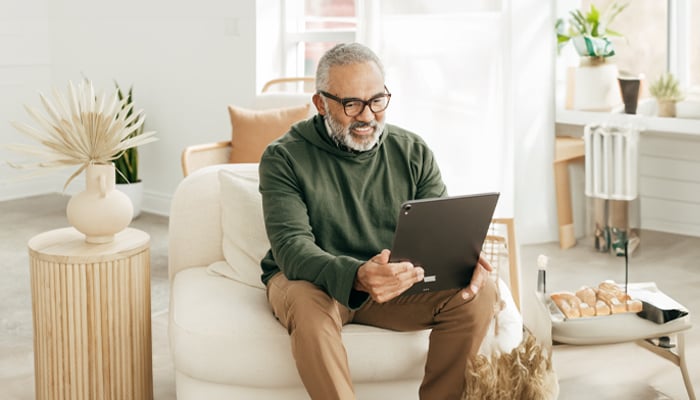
(366, 115)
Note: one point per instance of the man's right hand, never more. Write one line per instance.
(384, 280)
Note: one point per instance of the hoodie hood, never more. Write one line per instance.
(313, 130)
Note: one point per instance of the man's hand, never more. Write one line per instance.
(384, 280)
(481, 273)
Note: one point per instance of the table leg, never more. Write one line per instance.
(567, 236)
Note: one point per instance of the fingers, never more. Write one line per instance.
(382, 257)
(481, 273)
(402, 282)
(485, 263)
(384, 280)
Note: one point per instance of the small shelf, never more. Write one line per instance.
(646, 123)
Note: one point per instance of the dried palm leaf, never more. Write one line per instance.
(524, 373)
(81, 129)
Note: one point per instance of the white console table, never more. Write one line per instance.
(669, 167)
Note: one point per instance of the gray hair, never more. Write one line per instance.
(344, 54)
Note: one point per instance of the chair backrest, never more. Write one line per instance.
(276, 93)
(501, 250)
(303, 84)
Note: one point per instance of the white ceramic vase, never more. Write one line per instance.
(100, 211)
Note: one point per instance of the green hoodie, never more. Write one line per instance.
(328, 210)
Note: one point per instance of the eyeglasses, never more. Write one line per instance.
(353, 106)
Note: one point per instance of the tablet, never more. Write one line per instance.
(444, 236)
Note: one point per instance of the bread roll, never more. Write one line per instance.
(568, 303)
(601, 308)
(634, 306)
(587, 295)
(586, 310)
(616, 306)
(615, 289)
(609, 286)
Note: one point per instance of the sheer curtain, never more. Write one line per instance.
(476, 80)
(445, 64)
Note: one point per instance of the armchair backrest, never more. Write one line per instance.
(196, 232)
(201, 155)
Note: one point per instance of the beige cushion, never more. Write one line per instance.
(244, 239)
(253, 130)
(224, 332)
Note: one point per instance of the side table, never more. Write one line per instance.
(627, 327)
(91, 305)
(566, 151)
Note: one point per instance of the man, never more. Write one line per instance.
(331, 190)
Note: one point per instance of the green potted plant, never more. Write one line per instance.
(126, 163)
(666, 89)
(589, 32)
(592, 85)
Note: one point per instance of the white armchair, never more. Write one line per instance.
(225, 342)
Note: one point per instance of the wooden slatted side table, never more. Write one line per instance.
(91, 306)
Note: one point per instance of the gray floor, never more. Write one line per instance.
(622, 371)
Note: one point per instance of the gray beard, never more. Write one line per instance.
(342, 135)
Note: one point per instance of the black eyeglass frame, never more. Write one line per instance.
(365, 103)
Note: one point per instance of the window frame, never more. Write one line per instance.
(679, 39)
(294, 35)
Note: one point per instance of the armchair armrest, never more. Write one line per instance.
(202, 155)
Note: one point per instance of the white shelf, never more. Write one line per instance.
(646, 123)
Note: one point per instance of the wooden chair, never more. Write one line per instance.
(201, 155)
(501, 250)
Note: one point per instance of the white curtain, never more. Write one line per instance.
(476, 79)
(445, 64)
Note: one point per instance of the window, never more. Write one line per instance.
(694, 43)
(657, 38)
(313, 26)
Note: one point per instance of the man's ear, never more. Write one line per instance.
(318, 102)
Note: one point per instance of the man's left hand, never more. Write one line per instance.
(481, 273)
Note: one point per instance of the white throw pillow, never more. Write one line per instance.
(244, 239)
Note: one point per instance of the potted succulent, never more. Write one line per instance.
(667, 92)
(126, 163)
(593, 84)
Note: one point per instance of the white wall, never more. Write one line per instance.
(186, 61)
(25, 68)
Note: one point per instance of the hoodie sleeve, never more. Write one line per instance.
(429, 182)
(291, 236)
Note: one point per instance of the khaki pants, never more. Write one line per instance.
(314, 321)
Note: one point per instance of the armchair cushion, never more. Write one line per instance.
(244, 240)
(253, 130)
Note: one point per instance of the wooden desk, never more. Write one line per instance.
(91, 305)
(566, 150)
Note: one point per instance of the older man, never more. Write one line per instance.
(331, 189)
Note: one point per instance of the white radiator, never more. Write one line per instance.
(612, 157)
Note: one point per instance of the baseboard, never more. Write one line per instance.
(671, 227)
(29, 188)
(153, 202)
(156, 203)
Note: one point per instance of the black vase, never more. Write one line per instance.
(629, 87)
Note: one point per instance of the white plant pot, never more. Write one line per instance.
(135, 193)
(593, 87)
(99, 211)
